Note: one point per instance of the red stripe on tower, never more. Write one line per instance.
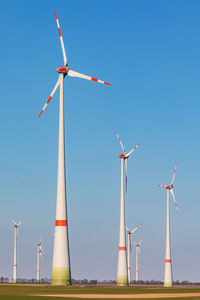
(61, 223)
(122, 248)
(167, 260)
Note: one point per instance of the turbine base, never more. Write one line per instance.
(167, 284)
(61, 276)
(122, 280)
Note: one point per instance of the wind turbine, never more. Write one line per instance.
(61, 272)
(16, 225)
(39, 253)
(122, 274)
(129, 250)
(168, 263)
(137, 263)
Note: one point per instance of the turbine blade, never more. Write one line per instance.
(132, 150)
(127, 228)
(20, 221)
(136, 228)
(120, 141)
(61, 40)
(126, 162)
(172, 192)
(53, 92)
(174, 174)
(161, 185)
(12, 220)
(79, 75)
(40, 240)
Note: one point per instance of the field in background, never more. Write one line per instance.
(16, 292)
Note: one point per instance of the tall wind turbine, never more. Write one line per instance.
(122, 274)
(137, 263)
(129, 250)
(168, 263)
(39, 253)
(16, 226)
(61, 272)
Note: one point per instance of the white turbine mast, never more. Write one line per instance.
(138, 253)
(122, 274)
(16, 226)
(61, 272)
(168, 278)
(129, 232)
(39, 254)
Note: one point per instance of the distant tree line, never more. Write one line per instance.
(96, 282)
(4, 279)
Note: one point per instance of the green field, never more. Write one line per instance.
(14, 292)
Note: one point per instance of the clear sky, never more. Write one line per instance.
(150, 52)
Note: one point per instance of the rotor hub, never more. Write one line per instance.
(63, 70)
(123, 155)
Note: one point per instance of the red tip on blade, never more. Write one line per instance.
(94, 79)
(40, 113)
(56, 14)
(107, 83)
(60, 34)
(48, 99)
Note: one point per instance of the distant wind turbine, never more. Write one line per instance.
(16, 226)
(138, 253)
(129, 250)
(39, 253)
(122, 274)
(168, 263)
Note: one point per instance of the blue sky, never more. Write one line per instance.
(149, 52)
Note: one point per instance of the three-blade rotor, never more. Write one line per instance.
(171, 187)
(39, 246)
(16, 225)
(130, 232)
(65, 70)
(138, 246)
(125, 156)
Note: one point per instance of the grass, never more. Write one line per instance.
(17, 292)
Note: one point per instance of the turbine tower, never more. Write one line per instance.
(16, 226)
(122, 274)
(61, 272)
(129, 250)
(137, 263)
(39, 253)
(168, 263)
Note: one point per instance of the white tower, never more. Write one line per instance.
(39, 253)
(122, 274)
(168, 279)
(138, 253)
(129, 250)
(61, 272)
(16, 225)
